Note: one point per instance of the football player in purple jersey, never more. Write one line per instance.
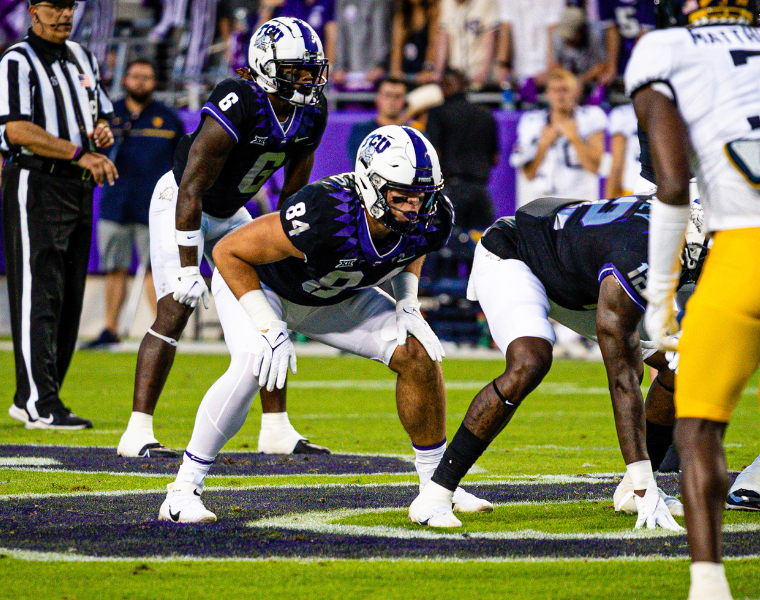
(272, 115)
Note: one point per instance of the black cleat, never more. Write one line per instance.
(102, 342)
(306, 447)
(158, 450)
(59, 418)
(743, 500)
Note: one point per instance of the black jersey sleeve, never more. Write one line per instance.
(227, 105)
(305, 220)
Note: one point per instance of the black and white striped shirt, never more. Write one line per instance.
(55, 86)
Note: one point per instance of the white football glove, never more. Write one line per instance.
(190, 287)
(653, 511)
(660, 323)
(409, 320)
(270, 364)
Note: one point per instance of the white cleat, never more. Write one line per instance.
(624, 502)
(290, 442)
(20, 414)
(466, 502)
(183, 504)
(745, 491)
(137, 446)
(433, 507)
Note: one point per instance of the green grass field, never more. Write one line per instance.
(347, 404)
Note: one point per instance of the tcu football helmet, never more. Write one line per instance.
(400, 158)
(694, 13)
(279, 52)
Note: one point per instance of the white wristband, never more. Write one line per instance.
(257, 306)
(667, 228)
(641, 474)
(405, 286)
(188, 238)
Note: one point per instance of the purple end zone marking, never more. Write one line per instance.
(232, 464)
(126, 526)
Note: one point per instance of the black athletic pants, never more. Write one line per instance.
(47, 227)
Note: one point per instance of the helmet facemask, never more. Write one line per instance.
(300, 93)
(414, 219)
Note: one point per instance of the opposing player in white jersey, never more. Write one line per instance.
(696, 90)
(559, 149)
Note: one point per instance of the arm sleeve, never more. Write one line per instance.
(650, 62)
(226, 105)
(15, 88)
(626, 269)
(305, 221)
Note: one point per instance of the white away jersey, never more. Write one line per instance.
(713, 74)
(561, 173)
(623, 122)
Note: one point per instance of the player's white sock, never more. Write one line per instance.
(221, 415)
(749, 478)
(194, 468)
(277, 435)
(427, 459)
(140, 426)
(708, 582)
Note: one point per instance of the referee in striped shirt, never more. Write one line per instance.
(53, 120)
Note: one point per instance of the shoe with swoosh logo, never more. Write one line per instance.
(60, 418)
(183, 504)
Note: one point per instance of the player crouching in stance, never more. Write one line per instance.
(583, 264)
(312, 268)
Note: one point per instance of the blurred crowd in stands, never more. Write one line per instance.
(442, 66)
(499, 45)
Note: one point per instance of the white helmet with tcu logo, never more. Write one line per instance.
(279, 52)
(400, 158)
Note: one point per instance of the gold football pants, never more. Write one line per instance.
(720, 344)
